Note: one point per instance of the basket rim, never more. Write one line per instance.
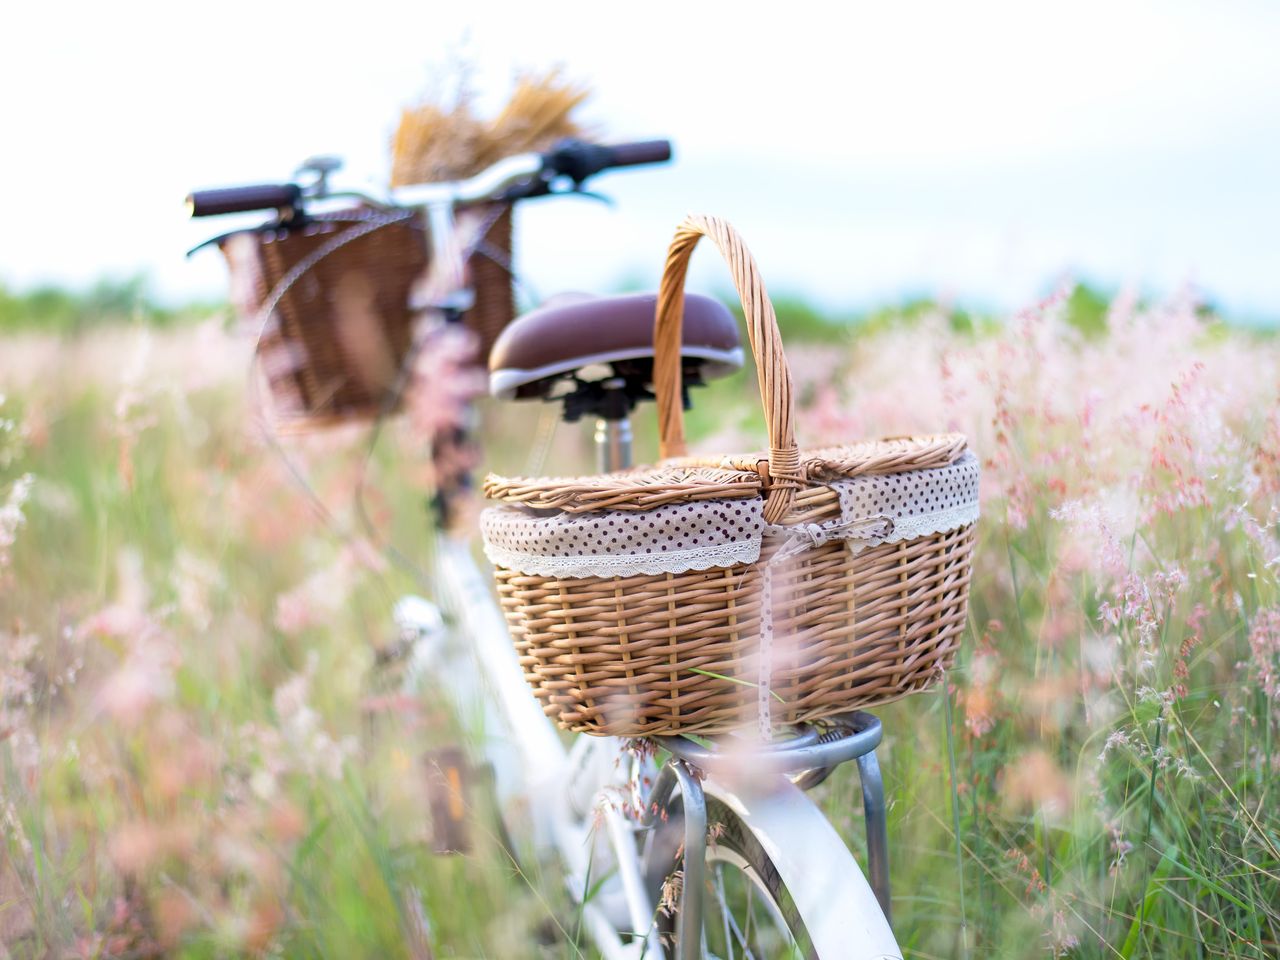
(733, 477)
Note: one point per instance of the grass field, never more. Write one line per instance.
(196, 758)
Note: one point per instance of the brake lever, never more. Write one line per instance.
(578, 190)
(607, 200)
(554, 187)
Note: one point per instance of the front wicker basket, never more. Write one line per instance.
(677, 653)
(335, 291)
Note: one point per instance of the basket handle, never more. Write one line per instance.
(782, 471)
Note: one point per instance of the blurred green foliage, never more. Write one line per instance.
(111, 301)
(1087, 309)
(801, 321)
(57, 309)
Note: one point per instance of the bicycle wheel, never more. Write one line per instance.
(748, 912)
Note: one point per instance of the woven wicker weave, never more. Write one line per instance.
(634, 656)
(718, 478)
(341, 328)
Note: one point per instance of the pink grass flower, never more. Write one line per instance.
(12, 517)
(1264, 643)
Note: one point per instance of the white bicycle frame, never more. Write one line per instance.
(559, 797)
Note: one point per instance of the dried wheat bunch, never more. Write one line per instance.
(434, 142)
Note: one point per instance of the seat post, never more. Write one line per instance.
(613, 428)
(613, 444)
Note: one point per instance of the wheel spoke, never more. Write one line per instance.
(732, 930)
(724, 909)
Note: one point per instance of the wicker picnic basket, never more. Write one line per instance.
(701, 595)
(329, 298)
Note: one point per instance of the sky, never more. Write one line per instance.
(868, 152)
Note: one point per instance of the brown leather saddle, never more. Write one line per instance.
(578, 339)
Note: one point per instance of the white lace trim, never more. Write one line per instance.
(622, 565)
(925, 525)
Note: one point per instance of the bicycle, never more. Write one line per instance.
(751, 865)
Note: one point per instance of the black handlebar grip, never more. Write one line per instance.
(635, 154)
(261, 196)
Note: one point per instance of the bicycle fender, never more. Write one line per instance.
(833, 897)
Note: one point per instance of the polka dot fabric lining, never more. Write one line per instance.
(920, 502)
(674, 538)
(716, 533)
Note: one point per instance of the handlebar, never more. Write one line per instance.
(261, 196)
(641, 152)
(515, 178)
(578, 160)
